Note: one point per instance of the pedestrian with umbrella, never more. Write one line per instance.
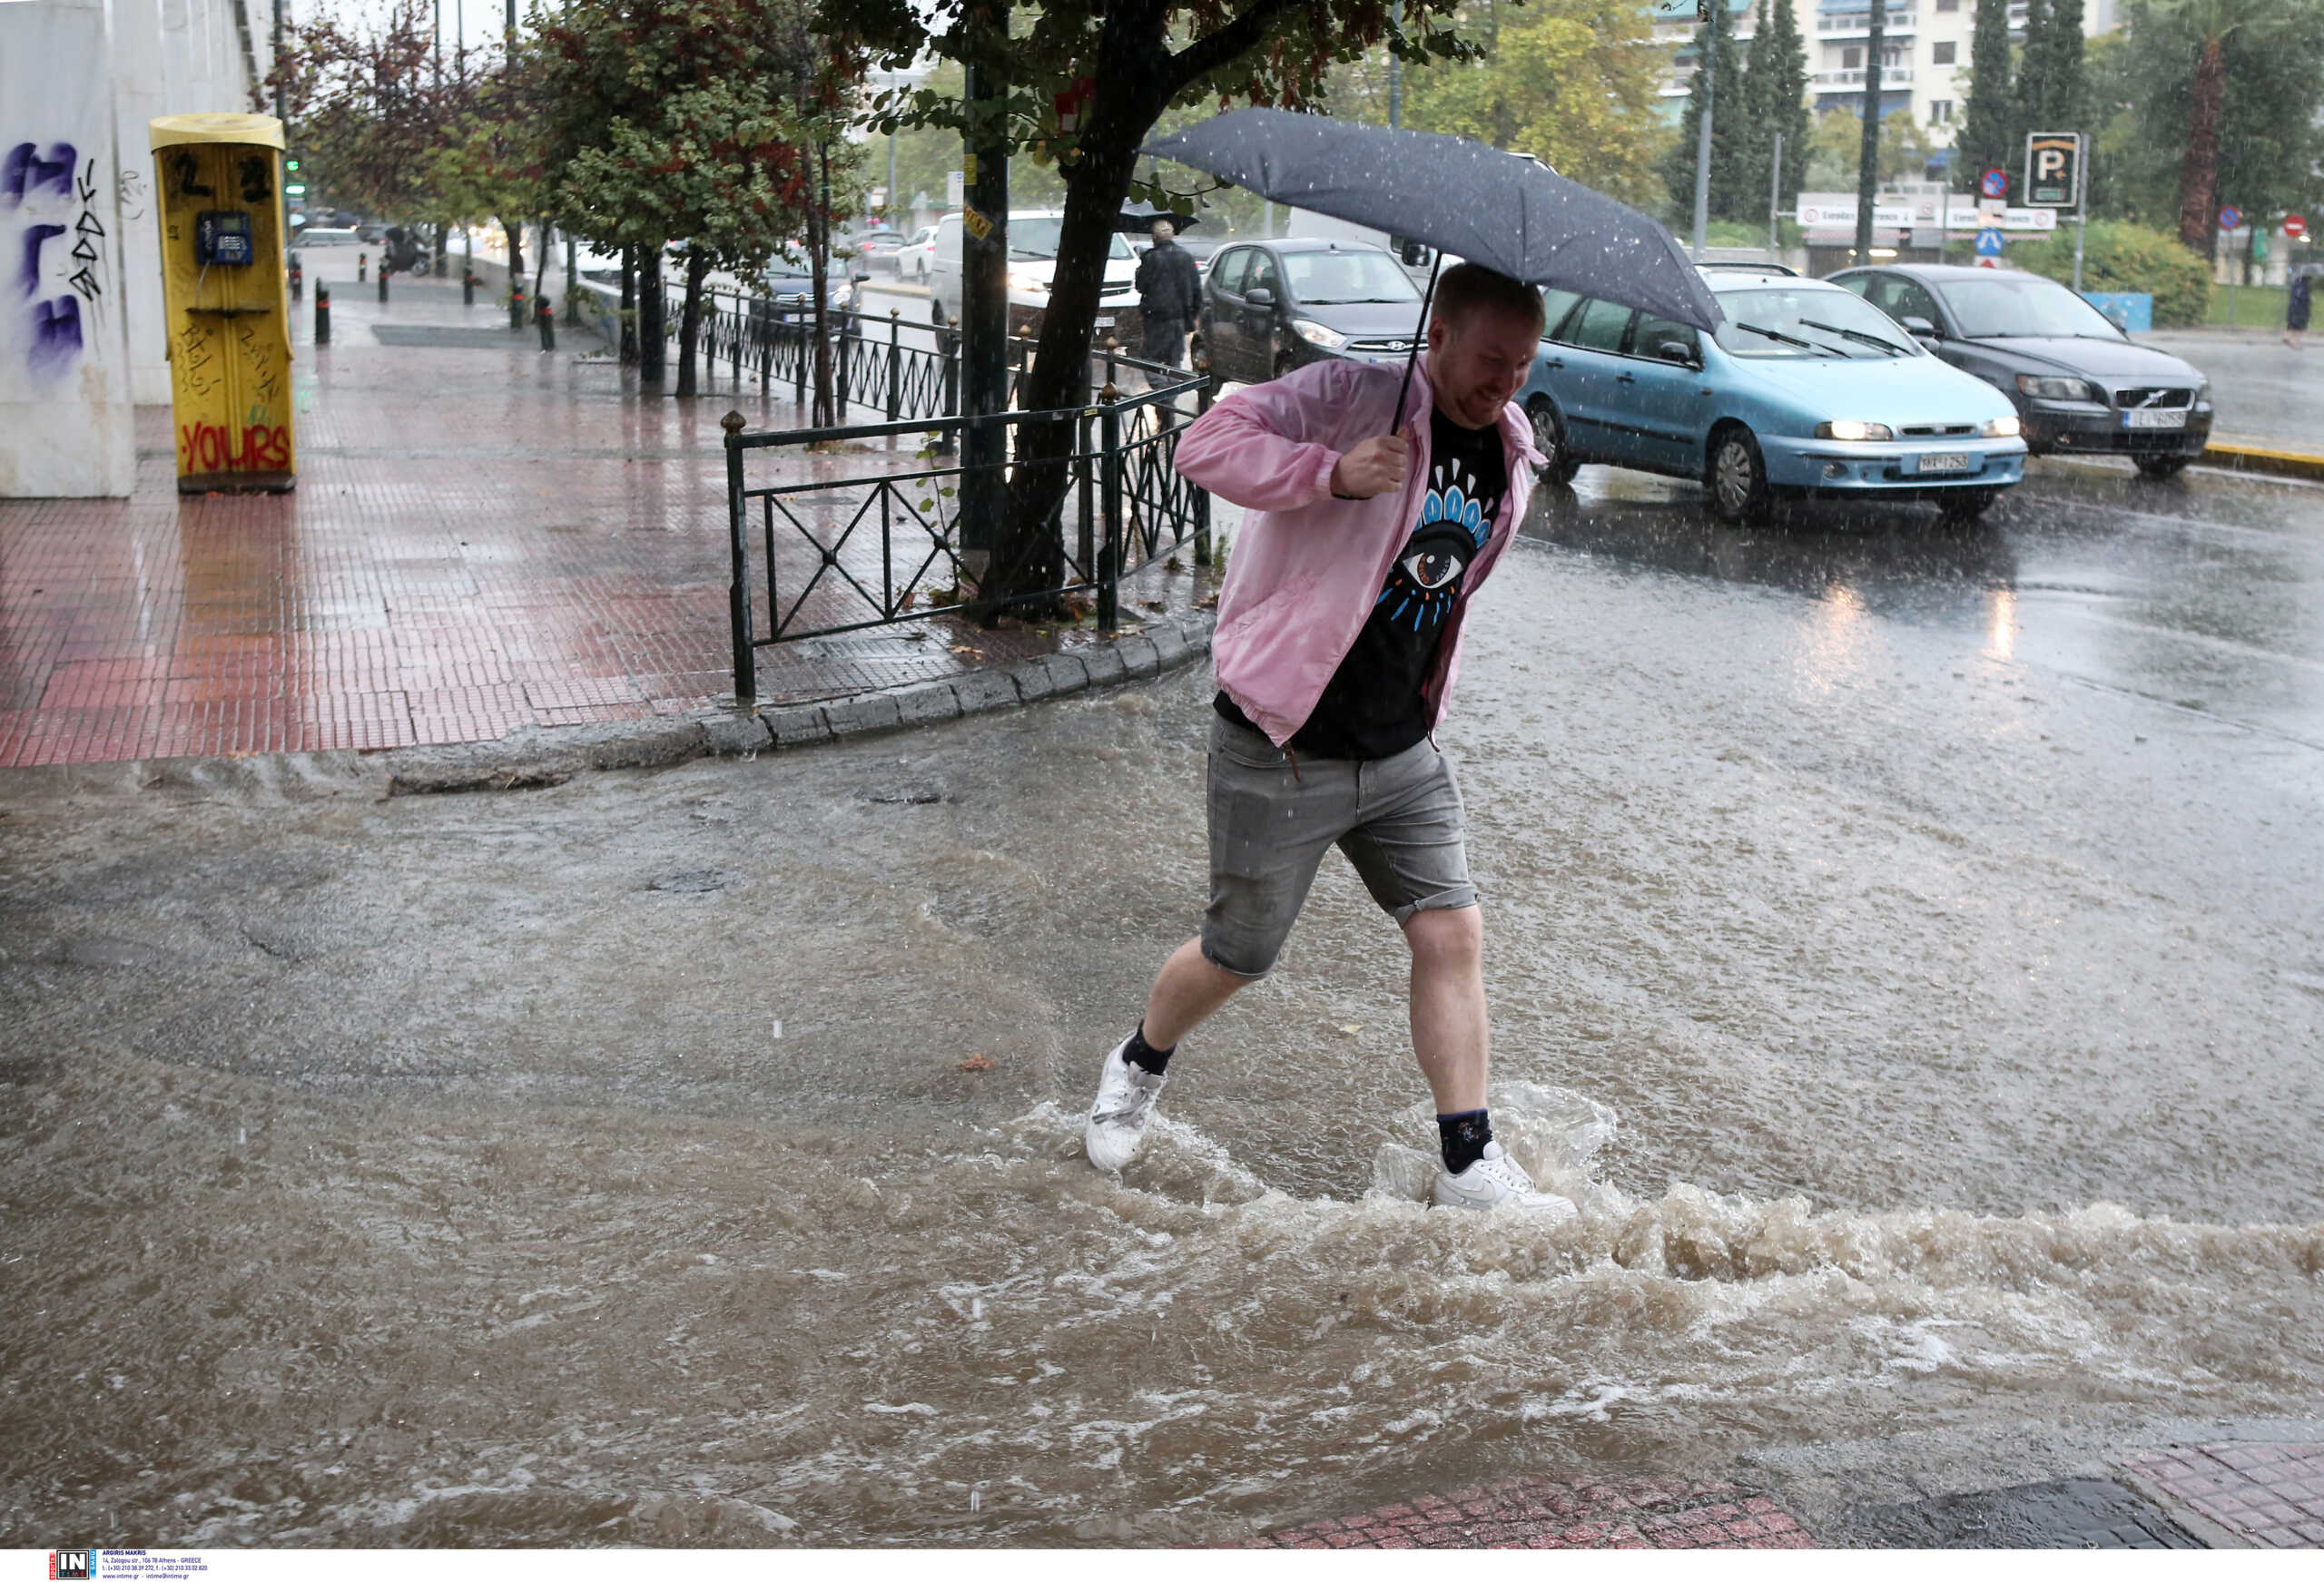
(1170, 295)
(1381, 500)
(2296, 307)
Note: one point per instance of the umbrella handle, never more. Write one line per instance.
(1419, 335)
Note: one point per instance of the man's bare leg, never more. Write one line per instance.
(1186, 992)
(1451, 1033)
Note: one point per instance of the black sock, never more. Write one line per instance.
(1145, 1056)
(1462, 1139)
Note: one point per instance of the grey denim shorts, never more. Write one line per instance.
(1399, 819)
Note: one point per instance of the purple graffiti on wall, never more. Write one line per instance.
(57, 334)
(28, 175)
(23, 171)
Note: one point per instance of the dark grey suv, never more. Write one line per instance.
(2081, 386)
(1268, 307)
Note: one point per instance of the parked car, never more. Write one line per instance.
(1806, 389)
(913, 258)
(327, 236)
(2079, 383)
(1032, 260)
(785, 290)
(1268, 307)
(873, 247)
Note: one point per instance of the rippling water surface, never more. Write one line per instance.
(1931, 1043)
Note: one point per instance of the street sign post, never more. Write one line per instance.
(2231, 217)
(1989, 245)
(2054, 162)
(2295, 226)
(1993, 184)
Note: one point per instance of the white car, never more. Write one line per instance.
(912, 259)
(1032, 260)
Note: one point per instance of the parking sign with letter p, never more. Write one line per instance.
(2053, 169)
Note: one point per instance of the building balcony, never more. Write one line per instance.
(1853, 77)
(1846, 24)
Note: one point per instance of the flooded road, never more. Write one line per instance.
(1902, 942)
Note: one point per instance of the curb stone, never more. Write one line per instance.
(538, 757)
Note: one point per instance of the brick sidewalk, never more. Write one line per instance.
(485, 537)
(2271, 1495)
(1553, 1513)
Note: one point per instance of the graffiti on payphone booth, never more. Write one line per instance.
(30, 176)
(205, 446)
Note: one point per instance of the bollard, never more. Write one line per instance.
(515, 307)
(322, 314)
(545, 315)
(362, 266)
(383, 284)
(298, 280)
(467, 288)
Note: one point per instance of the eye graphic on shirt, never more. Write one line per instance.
(1425, 578)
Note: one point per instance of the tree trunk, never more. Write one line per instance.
(516, 252)
(2198, 171)
(629, 307)
(1029, 557)
(819, 240)
(690, 318)
(651, 323)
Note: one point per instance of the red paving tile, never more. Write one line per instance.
(481, 540)
(2273, 1494)
(1554, 1513)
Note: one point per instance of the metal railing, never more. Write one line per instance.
(877, 547)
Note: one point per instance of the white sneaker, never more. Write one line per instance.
(1496, 1181)
(1125, 1096)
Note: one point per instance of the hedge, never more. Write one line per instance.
(2120, 257)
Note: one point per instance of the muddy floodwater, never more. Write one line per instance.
(1905, 944)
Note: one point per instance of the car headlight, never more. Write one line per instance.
(2044, 389)
(1321, 335)
(1853, 428)
(2204, 391)
(1027, 281)
(2001, 427)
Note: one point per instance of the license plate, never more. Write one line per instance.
(1947, 461)
(2143, 417)
(1105, 320)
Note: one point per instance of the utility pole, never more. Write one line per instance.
(1774, 201)
(1868, 175)
(1396, 69)
(1702, 134)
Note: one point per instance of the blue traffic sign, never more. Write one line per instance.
(2230, 218)
(1989, 245)
(1993, 184)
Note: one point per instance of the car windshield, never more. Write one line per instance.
(2022, 305)
(1792, 321)
(1036, 238)
(1318, 277)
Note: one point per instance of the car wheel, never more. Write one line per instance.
(1284, 364)
(2161, 466)
(1737, 477)
(1966, 505)
(1549, 438)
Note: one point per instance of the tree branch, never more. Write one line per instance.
(1230, 42)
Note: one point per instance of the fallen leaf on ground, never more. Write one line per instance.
(1352, 1029)
(976, 1063)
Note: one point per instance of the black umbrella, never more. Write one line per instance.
(1139, 218)
(1507, 212)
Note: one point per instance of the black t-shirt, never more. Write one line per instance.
(1372, 707)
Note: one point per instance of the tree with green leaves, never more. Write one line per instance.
(2162, 162)
(1835, 150)
(705, 124)
(2052, 92)
(1730, 138)
(1570, 82)
(1989, 116)
(1137, 60)
(1775, 100)
(366, 106)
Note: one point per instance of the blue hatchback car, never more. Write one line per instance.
(1804, 389)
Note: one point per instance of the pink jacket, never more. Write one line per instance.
(1306, 567)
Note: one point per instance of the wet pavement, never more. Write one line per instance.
(1903, 945)
(485, 538)
(2265, 393)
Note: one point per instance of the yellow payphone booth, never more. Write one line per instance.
(226, 295)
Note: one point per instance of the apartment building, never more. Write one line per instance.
(1924, 53)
